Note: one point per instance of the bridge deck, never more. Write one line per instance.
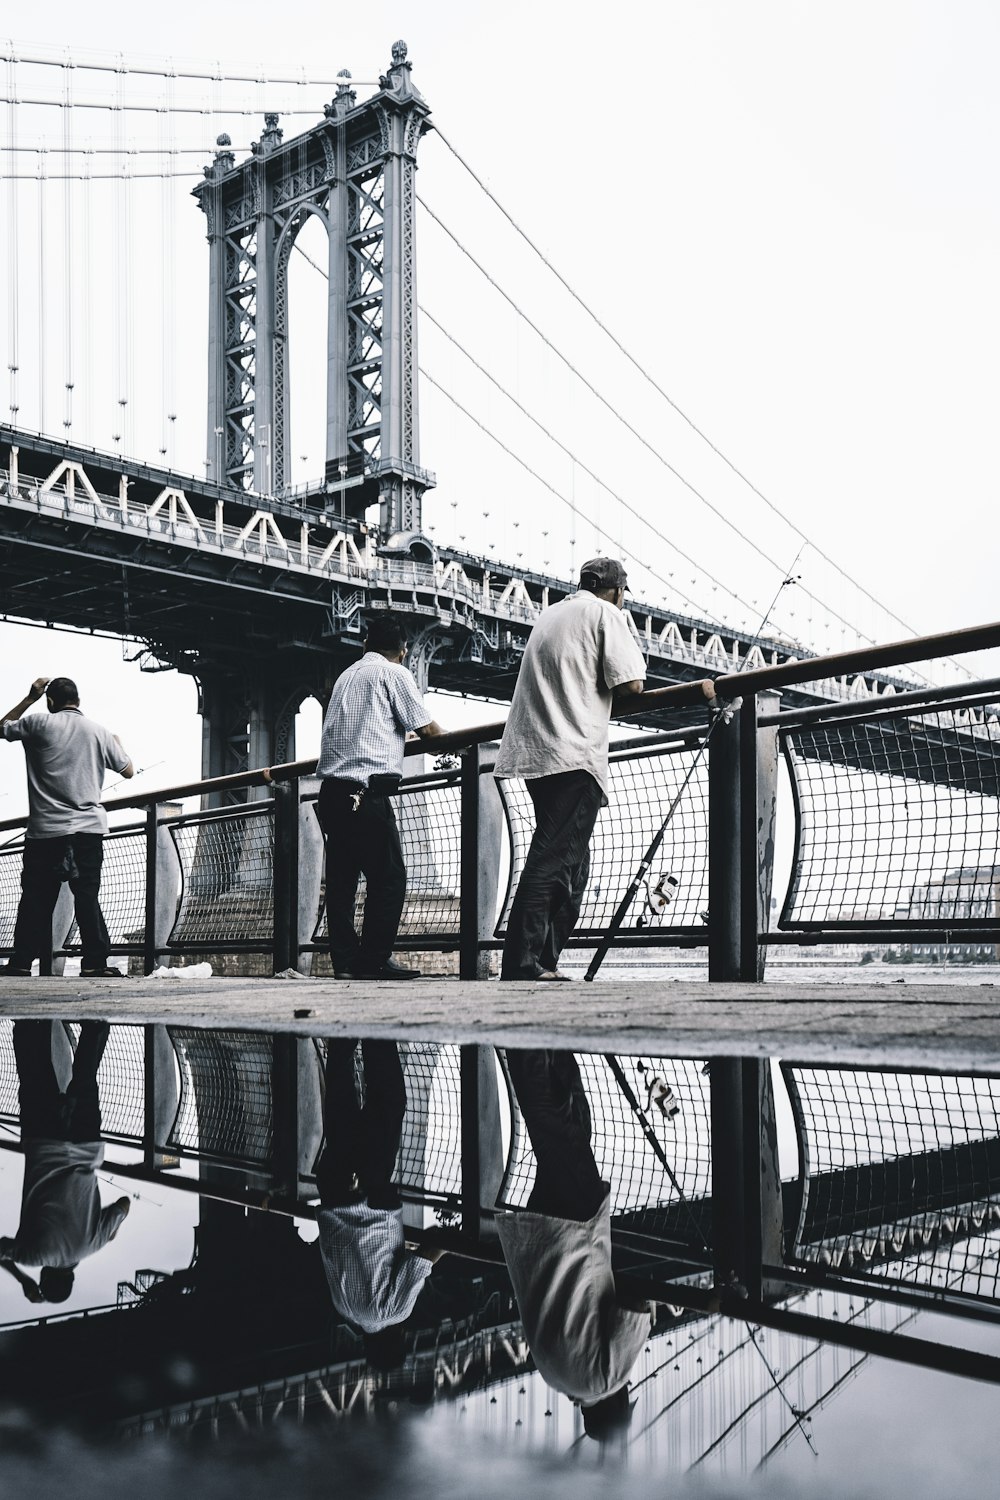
(946, 1027)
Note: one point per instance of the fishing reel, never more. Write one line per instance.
(659, 1094)
(658, 898)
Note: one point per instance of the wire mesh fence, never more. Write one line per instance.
(226, 1105)
(227, 866)
(624, 1156)
(642, 786)
(900, 1174)
(430, 1152)
(121, 1082)
(898, 821)
(123, 890)
(9, 1107)
(10, 891)
(429, 818)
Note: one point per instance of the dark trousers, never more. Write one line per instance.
(556, 1112)
(361, 842)
(77, 859)
(361, 1143)
(45, 1111)
(550, 891)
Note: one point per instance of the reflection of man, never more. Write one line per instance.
(66, 756)
(578, 657)
(584, 1340)
(374, 704)
(374, 1279)
(62, 1220)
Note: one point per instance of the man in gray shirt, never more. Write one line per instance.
(579, 656)
(66, 756)
(62, 1220)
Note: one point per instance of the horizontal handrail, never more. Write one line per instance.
(677, 695)
(864, 659)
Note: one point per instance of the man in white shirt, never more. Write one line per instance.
(373, 706)
(66, 755)
(579, 657)
(583, 1337)
(374, 1279)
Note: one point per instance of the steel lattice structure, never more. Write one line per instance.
(355, 172)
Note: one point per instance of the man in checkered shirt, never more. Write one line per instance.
(374, 705)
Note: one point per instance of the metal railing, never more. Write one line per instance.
(896, 833)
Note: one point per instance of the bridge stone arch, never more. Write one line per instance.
(357, 169)
(285, 242)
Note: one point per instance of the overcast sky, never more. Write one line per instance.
(787, 213)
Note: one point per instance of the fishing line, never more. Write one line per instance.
(721, 714)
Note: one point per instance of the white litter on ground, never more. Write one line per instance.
(191, 971)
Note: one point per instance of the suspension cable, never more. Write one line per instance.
(300, 80)
(636, 364)
(41, 297)
(571, 502)
(551, 487)
(619, 499)
(13, 246)
(629, 427)
(69, 256)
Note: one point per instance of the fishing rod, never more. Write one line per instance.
(721, 713)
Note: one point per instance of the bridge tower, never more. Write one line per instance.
(355, 171)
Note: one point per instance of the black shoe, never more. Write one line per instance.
(344, 974)
(8, 971)
(390, 970)
(104, 973)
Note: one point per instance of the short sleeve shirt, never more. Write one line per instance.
(373, 1278)
(62, 1220)
(372, 706)
(578, 652)
(583, 1341)
(66, 755)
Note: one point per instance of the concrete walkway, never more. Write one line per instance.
(951, 1028)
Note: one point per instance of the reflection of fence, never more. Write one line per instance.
(900, 1177)
(897, 1194)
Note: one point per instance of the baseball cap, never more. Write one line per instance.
(605, 572)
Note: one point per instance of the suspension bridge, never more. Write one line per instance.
(254, 577)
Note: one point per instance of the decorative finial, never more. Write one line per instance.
(224, 158)
(270, 138)
(398, 76)
(346, 97)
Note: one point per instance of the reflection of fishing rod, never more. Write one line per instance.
(720, 715)
(654, 1142)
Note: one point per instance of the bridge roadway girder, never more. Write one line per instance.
(242, 590)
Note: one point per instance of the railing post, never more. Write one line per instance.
(481, 834)
(149, 950)
(285, 881)
(482, 1161)
(160, 1096)
(766, 758)
(285, 1114)
(746, 1184)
